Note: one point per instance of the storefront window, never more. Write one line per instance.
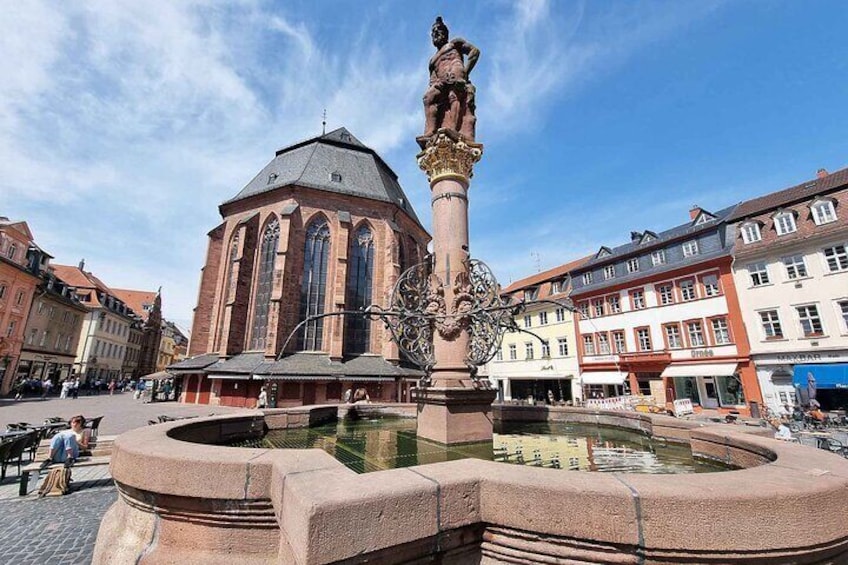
(730, 391)
(686, 387)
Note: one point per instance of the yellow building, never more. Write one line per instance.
(542, 363)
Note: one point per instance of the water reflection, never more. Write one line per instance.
(376, 444)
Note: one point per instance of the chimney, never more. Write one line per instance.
(693, 213)
(82, 264)
(635, 236)
(821, 173)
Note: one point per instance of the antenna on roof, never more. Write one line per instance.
(324, 123)
(537, 260)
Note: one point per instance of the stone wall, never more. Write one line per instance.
(191, 502)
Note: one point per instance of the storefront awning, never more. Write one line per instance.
(830, 375)
(603, 378)
(700, 370)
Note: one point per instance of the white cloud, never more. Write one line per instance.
(124, 124)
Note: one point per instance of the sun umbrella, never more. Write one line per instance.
(811, 387)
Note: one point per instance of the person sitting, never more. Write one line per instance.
(782, 431)
(65, 446)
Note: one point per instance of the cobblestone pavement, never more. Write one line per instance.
(121, 412)
(53, 531)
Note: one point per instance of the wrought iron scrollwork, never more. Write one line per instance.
(417, 310)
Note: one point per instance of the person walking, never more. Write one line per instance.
(66, 386)
(262, 401)
(46, 388)
(112, 385)
(75, 388)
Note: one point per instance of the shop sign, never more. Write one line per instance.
(699, 353)
(799, 357)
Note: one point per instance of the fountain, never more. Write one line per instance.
(187, 496)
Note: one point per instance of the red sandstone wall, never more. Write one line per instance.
(199, 342)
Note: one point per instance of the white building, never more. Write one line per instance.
(529, 365)
(791, 271)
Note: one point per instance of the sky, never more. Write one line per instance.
(124, 124)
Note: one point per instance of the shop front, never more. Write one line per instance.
(830, 381)
(604, 384)
(713, 386)
(776, 374)
(541, 390)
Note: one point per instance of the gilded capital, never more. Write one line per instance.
(447, 155)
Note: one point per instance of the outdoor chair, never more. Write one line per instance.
(35, 436)
(15, 454)
(94, 426)
(5, 450)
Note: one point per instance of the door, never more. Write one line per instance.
(709, 394)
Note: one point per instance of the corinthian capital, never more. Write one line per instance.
(447, 155)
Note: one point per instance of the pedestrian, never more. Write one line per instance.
(347, 395)
(112, 386)
(19, 389)
(551, 400)
(46, 388)
(262, 401)
(66, 387)
(75, 386)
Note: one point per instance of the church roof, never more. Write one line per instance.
(335, 162)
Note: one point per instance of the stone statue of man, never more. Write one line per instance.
(449, 100)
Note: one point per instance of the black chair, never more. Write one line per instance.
(94, 426)
(35, 436)
(15, 455)
(5, 450)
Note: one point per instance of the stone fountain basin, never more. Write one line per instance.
(187, 502)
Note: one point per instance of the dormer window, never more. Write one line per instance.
(609, 272)
(751, 232)
(587, 278)
(823, 211)
(13, 249)
(703, 218)
(336, 177)
(633, 265)
(658, 257)
(690, 248)
(784, 223)
(531, 293)
(556, 287)
(648, 237)
(604, 252)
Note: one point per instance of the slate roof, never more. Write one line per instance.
(311, 163)
(298, 365)
(787, 196)
(196, 362)
(242, 363)
(663, 238)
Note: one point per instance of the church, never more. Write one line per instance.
(325, 227)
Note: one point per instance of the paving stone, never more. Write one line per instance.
(52, 530)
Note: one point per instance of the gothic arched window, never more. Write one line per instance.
(267, 256)
(316, 255)
(231, 281)
(359, 282)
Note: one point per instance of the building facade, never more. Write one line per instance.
(52, 332)
(528, 366)
(18, 281)
(791, 269)
(105, 329)
(145, 337)
(325, 227)
(659, 316)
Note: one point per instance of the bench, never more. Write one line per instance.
(39, 466)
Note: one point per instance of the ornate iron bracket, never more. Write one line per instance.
(417, 309)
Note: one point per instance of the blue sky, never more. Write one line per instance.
(124, 124)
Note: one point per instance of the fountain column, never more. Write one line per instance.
(454, 408)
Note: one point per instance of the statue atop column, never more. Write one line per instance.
(449, 101)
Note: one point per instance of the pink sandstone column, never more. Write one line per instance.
(452, 409)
